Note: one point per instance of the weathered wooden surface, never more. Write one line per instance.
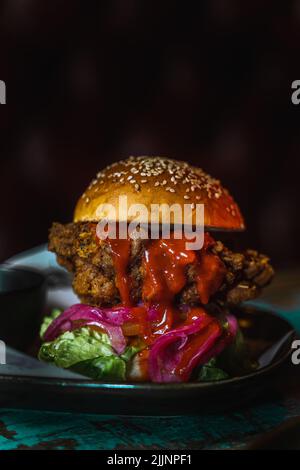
(20, 429)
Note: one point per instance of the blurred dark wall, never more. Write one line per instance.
(92, 82)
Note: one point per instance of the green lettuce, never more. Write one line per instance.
(86, 351)
(210, 372)
(131, 351)
(105, 367)
(76, 346)
(48, 320)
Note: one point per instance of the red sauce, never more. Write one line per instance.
(194, 345)
(120, 250)
(165, 266)
(139, 323)
(165, 263)
(210, 274)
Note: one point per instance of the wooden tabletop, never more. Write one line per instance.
(26, 429)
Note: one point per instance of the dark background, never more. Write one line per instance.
(90, 82)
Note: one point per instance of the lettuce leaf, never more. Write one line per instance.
(210, 372)
(75, 346)
(48, 320)
(87, 352)
(131, 351)
(105, 367)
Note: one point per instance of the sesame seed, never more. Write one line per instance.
(186, 196)
(154, 167)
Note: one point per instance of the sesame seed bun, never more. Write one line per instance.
(158, 180)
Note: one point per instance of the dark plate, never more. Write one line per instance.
(261, 329)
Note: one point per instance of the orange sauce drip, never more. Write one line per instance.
(195, 343)
(210, 274)
(139, 325)
(120, 250)
(164, 265)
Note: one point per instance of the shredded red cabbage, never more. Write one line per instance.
(222, 342)
(167, 351)
(79, 315)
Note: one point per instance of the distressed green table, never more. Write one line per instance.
(23, 429)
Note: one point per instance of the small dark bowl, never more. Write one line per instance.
(22, 299)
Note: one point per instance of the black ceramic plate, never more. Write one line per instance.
(261, 329)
